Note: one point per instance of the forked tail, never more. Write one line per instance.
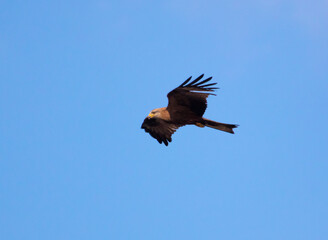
(220, 126)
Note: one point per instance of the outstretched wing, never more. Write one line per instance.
(160, 129)
(190, 97)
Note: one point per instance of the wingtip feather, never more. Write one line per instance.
(187, 80)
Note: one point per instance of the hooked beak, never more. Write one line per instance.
(150, 115)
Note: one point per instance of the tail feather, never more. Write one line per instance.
(220, 126)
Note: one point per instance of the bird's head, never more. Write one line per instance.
(155, 113)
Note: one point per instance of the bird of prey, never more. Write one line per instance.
(187, 104)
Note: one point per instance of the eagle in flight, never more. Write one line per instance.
(187, 104)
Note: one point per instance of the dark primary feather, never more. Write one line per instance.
(196, 80)
(204, 81)
(198, 85)
(159, 129)
(185, 81)
(190, 97)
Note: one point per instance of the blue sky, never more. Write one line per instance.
(77, 79)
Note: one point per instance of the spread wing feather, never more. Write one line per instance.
(190, 98)
(160, 129)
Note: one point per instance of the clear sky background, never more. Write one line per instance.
(77, 79)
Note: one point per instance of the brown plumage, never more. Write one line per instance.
(187, 104)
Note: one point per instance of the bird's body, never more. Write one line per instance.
(187, 104)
